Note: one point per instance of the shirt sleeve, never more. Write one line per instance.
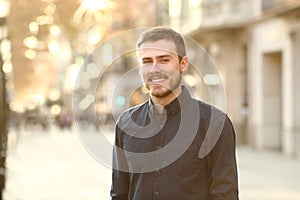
(222, 166)
(120, 176)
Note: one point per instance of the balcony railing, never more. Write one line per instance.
(275, 4)
(222, 12)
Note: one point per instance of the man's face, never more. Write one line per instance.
(160, 68)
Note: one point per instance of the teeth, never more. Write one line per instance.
(158, 80)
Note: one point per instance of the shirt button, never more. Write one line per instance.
(156, 193)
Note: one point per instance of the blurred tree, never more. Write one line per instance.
(3, 127)
(4, 62)
(81, 24)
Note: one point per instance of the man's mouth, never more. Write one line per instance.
(158, 80)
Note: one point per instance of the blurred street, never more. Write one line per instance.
(66, 60)
(55, 165)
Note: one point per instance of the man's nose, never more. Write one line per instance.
(155, 68)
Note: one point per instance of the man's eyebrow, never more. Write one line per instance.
(164, 56)
(146, 58)
(158, 57)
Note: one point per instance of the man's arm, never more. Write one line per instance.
(120, 177)
(119, 188)
(222, 165)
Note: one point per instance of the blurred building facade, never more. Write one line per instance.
(256, 47)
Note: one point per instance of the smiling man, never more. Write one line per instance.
(172, 146)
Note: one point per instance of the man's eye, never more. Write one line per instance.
(146, 61)
(165, 60)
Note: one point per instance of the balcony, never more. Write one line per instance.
(228, 12)
(274, 5)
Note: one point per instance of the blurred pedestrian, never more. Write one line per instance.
(64, 119)
(172, 146)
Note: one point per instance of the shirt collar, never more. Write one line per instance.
(176, 105)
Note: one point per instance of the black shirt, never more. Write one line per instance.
(186, 152)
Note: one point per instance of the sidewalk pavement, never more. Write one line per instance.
(268, 175)
(56, 165)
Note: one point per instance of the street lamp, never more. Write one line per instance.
(4, 11)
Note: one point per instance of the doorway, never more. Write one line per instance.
(272, 100)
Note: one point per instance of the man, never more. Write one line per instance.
(172, 147)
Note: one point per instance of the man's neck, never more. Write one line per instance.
(163, 101)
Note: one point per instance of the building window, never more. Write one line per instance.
(235, 6)
(163, 13)
(211, 10)
(268, 4)
(185, 9)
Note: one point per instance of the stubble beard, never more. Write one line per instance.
(164, 91)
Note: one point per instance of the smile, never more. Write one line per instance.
(158, 81)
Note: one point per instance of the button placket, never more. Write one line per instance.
(157, 172)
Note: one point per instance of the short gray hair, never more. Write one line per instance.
(163, 33)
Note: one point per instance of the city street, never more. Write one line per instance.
(87, 61)
(56, 165)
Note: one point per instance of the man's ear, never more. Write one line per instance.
(184, 64)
